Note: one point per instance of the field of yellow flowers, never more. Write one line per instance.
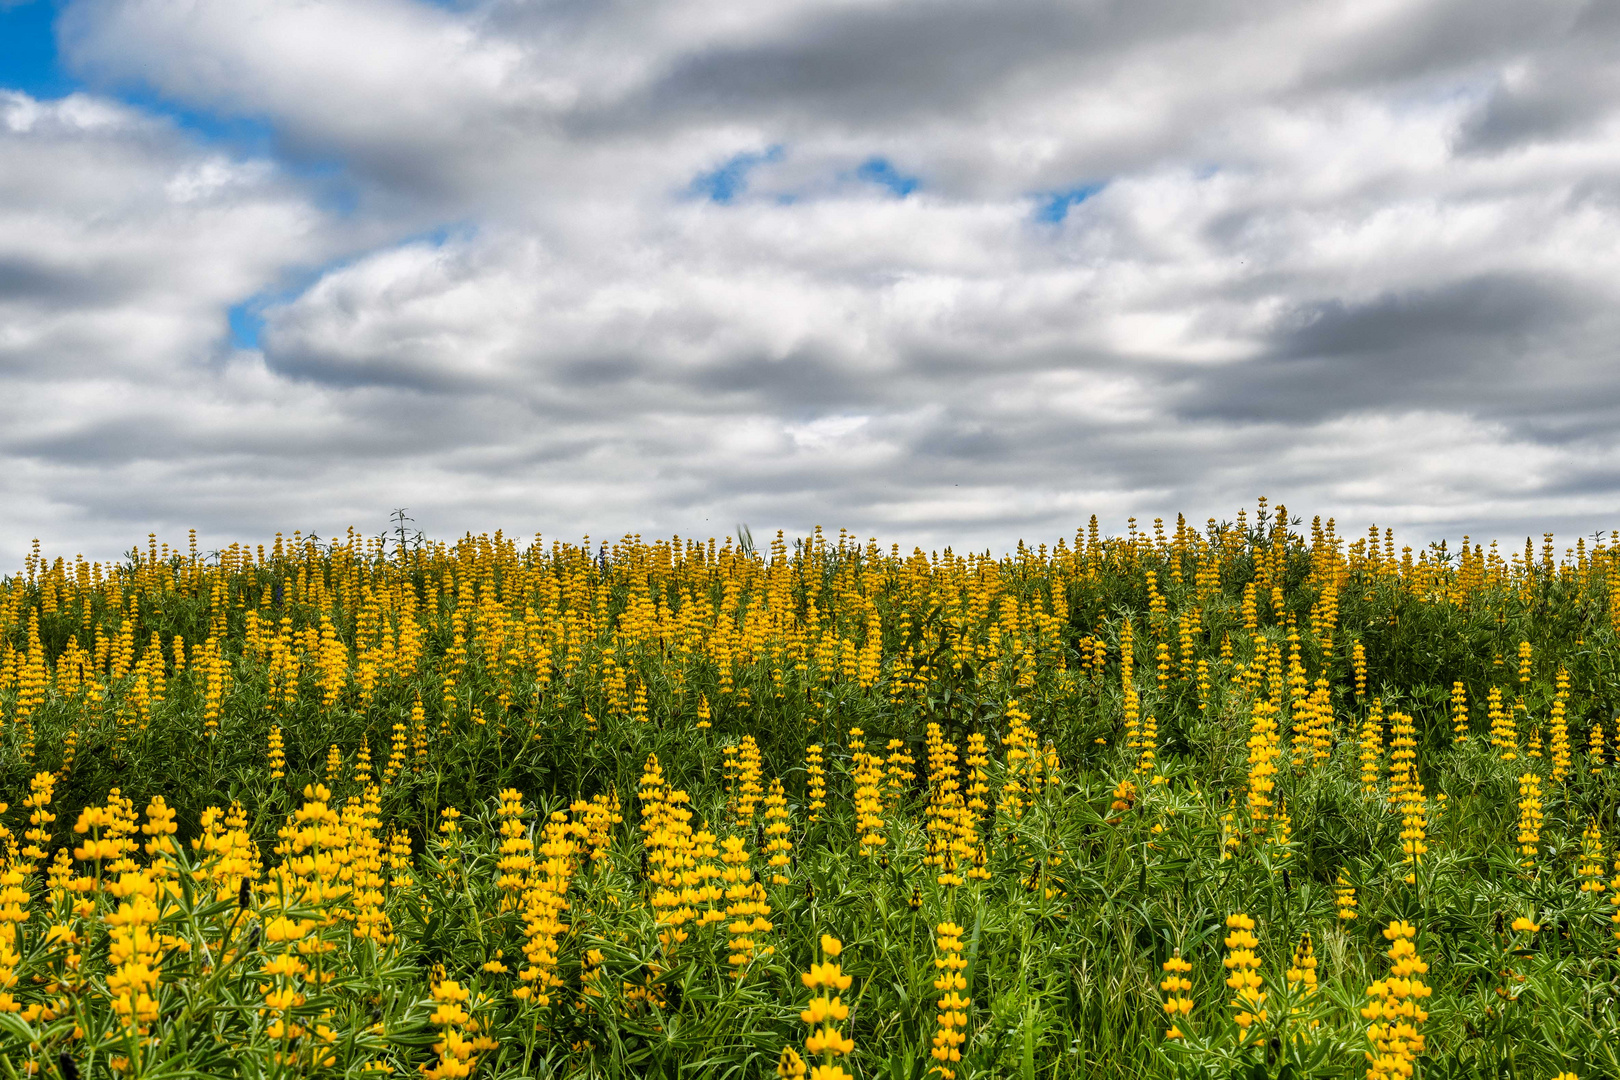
(1247, 799)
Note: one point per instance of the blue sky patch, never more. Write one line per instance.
(730, 180)
(28, 59)
(1054, 206)
(881, 171)
(247, 322)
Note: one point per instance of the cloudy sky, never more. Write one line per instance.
(941, 271)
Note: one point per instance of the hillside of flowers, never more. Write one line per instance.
(1249, 798)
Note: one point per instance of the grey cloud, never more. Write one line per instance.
(385, 369)
(971, 441)
(602, 373)
(1510, 118)
(37, 281)
(1305, 276)
(799, 384)
(1496, 307)
(168, 428)
(1425, 38)
(1463, 343)
(126, 439)
(1565, 87)
(1557, 105)
(888, 61)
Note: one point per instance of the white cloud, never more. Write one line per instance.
(1358, 256)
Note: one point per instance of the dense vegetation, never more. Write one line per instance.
(1245, 800)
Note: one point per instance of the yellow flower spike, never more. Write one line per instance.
(790, 1066)
(824, 1011)
(952, 1014)
(1393, 1007)
(1176, 986)
(1245, 981)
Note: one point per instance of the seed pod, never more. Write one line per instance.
(64, 1062)
(244, 894)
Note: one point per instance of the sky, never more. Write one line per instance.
(938, 271)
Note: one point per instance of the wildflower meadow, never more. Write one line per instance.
(1248, 799)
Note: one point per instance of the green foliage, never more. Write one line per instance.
(1089, 889)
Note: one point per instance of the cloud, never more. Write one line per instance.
(951, 272)
(120, 243)
(1568, 89)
